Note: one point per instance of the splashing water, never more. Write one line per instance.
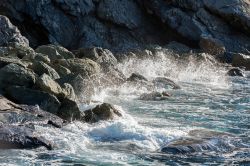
(208, 99)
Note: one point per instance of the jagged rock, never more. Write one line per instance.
(236, 12)
(14, 74)
(10, 33)
(5, 61)
(116, 11)
(84, 88)
(27, 96)
(70, 111)
(61, 70)
(212, 46)
(139, 81)
(154, 96)
(47, 84)
(102, 56)
(41, 68)
(12, 113)
(85, 67)
(21, 137)
(37, 57)
(55, 52)
(104, 111)
(163, 82)
(241, 60)
(236, 72)
(68, 92)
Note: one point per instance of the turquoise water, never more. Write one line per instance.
(208, 100)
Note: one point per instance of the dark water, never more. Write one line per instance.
(208, 100)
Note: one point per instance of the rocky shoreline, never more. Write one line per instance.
(46, 85)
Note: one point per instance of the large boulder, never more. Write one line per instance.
(85, 67)
(241, 60)
(47, 84)
(14, 74)
(12, 113)
(28, 96)
(212, 46)
(21, 137)
(5, 61)
(70, 111)
(40, 68)
(55, 52)
(10, 33)
(103, 111)
(102, 56)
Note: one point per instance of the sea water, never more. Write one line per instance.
(208, 99)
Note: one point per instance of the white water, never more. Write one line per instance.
(206, 100)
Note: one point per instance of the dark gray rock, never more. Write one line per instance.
(41, 68)
(154, 96)
(236, 72)
(10, 33)
(21, 137)
(14, 74)
(163, 82)
(241, 60)
(116, 11)
(104, 111)
(27, 96)
(212, 46)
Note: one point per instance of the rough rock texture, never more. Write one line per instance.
(104, 111)
(10, 33)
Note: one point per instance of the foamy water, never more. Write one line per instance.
(208, 99)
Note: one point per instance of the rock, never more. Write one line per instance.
(241, 60)
(70, 111)
(104, 111)
(137, 77)
(236, 72)
(61, 70)
(10, 33)
(68, 92)
(47, 84)
(12, 113)
(84, 88)
(163, 82)
(55, 52)
(154, 96)
(112, 76)
(85, 67)
(20, 137)
(212, 46)
(41, 68)
(102, 56)
(14, 74)
(199, 141)
(116, 11)
(5, 61)
(37, 57)
(235, 12)
(27, 96)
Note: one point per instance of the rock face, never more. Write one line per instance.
(10, 33)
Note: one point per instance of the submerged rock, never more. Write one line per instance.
(104, 111)
(236, 72)
(163, 82)
(199, 140)
(155, 96)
